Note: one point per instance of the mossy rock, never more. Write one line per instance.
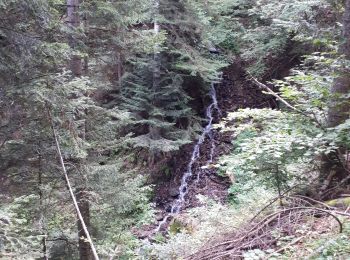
(176, 227)
(180, 224)
(340, 202)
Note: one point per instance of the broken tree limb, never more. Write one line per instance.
(285, 247)
(260, 234)
(75, 203)
(271, 92)
(262, 86)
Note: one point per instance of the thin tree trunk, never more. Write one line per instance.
(119, 67)
(156, 54)
(73, 21)
(83, 203)
(154, 131)
(42, 212)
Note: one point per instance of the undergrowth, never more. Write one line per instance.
(202, 224)
(325, 242)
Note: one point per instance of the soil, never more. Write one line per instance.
(234, 92)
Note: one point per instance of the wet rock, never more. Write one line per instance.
(5, 221)
(61, 249)
(174, 192)
(226, 138)
(160, 216)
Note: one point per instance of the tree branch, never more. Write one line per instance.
(271, 92)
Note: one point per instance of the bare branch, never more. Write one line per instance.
(278, 97)
(271, 92)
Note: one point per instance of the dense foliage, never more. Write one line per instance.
(119, 87)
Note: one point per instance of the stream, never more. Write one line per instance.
(207, 132)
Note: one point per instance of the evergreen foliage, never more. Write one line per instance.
(142, 65)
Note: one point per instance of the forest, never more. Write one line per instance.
(174, 129)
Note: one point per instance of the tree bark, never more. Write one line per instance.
(42, 210)
(154, 131)
(77, 67)
(156, 54)
(73, 21)
(84, 245)
(339, 112)
(119, 68)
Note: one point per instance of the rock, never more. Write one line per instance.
(5, 220)
(60, 249)
(182, 223)
(159, 216)
(143, 232)
(174, 192)
(340, 202)
(214, 50)
(210, 166)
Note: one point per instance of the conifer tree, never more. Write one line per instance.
(153, 89)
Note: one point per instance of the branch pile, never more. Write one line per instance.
(265, 232)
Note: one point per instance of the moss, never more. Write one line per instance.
(181, 225)
(175, 227)
(345, 202)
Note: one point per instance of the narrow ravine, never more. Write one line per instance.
(195, 156)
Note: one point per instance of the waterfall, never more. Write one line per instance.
(207, 132)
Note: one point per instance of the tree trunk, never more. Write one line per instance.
(119, 68)
(338, 111)
(156, 54)
(84, 245)
(154, 131)
(73, 21)
(77, 65)
(42, 210)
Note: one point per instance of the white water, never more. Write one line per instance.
(207, 131)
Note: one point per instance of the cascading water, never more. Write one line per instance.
(207, 131)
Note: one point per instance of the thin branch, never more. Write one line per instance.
(21, 33)
(271, 92)
(3, 143)
(253, 233)
(272, 202)
(313, 200)
(284, 248)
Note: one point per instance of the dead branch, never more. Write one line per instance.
(75, 203)
(313, 200)
(271, 92)
(285, 247)
(278, 97)
(260, 234)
